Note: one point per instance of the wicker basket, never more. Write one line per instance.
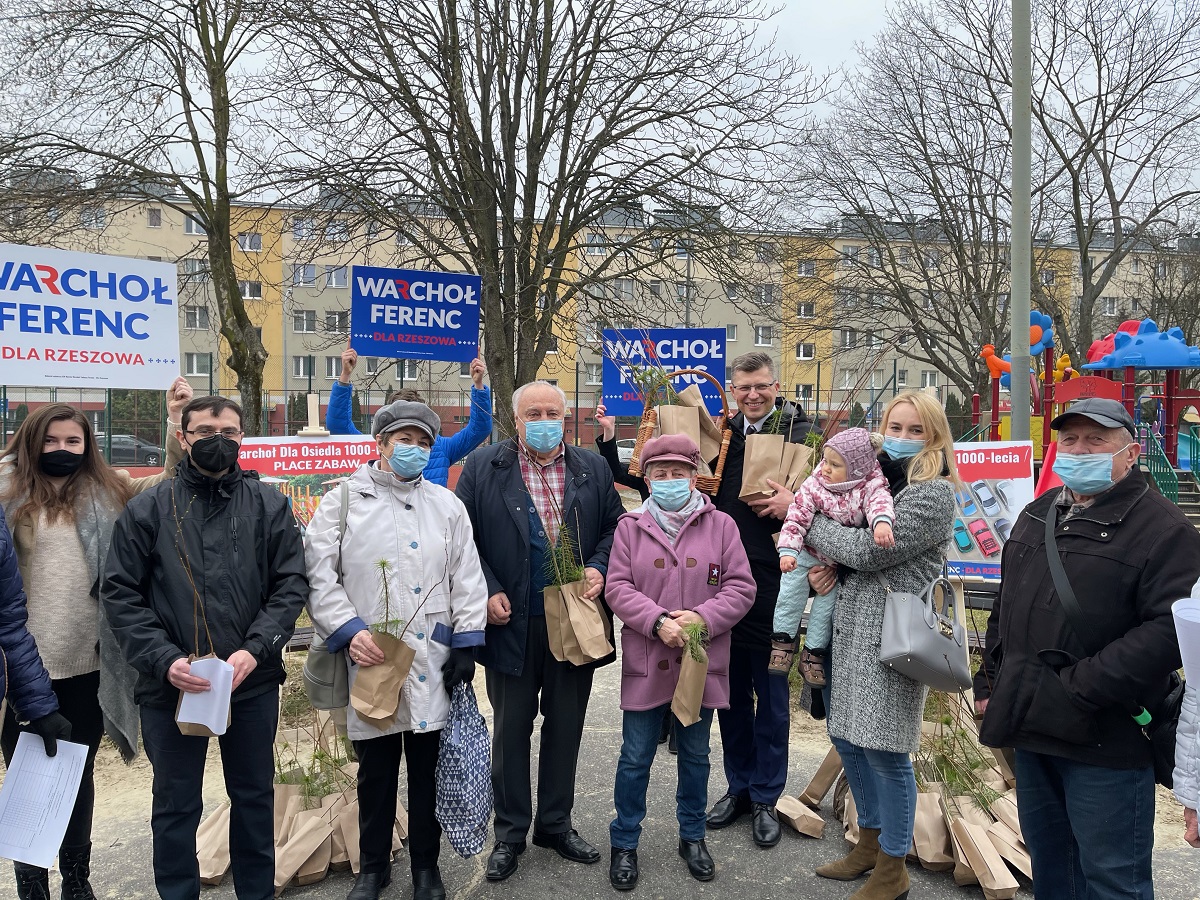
(707, 483)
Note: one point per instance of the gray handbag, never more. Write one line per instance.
(326, 675)
(923, 643)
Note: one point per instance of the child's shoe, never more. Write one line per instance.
(812, 667)
(783, 651)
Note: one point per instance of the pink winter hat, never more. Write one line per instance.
(670, 448)
(854, 446)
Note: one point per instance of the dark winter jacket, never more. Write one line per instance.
(620, 470)
(236, 540)
(1128, 557)
(494, 494)
(754, 631)
(24, 681)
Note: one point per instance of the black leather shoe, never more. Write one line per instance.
(765, 826)
(503, 860)
(623, 869)
(368, 885)
(427, 884)
(728, 810)
(699, 862)
(569, 845)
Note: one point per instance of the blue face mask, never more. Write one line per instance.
(408, 460)
(544, 435)
(1086, 473)
(902, 448)
(671, 494)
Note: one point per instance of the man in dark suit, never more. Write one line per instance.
(521, 494)
(754, 729)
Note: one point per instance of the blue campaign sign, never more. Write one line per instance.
(410, 314)
(669, 349)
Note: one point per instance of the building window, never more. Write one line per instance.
(623, 290)
(806, 310)
(409, 369)
(338, 321)
(804, 392)
(847, 339)
(731, 292)
(932, 260)
(191, 225)
(765, 294)
(304, 275)
(195, 270)
(154, 217)
(304, 321)
(250, 242)
(197, 364)
(372, 365)
(195, 318)
(929, 378)
(594, 373)
(333, 366)
(553, 347)
(806, 268)
(847, 298)
(877, 379)
(681, 291)
(1109, 305)
(464, 370)
(806, 351)
(1135, 267)
(337, 230)
(683, 248)
(874, 257)
(595, 244)
(904, 257)
(302, 229)
(731, 332)
(92, 217)
(336, 277)
(850, 256)
(1047, 277)
(655, 287)
(1160, 270)
(302, 366)
(762, 336)
(901, 378)
(872, 339)
(250, 290)
(846, 379)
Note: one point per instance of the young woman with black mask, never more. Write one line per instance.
(61, 498)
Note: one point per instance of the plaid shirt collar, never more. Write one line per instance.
(547, 484)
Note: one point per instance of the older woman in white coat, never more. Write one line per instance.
(436, 585)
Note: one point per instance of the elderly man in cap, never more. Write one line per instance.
(524, 496)
(436, 597)
(1080, 649)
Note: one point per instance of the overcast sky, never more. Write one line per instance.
(823, 33)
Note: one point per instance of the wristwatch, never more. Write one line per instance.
(658, 624)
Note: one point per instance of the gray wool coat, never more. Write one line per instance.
(872, 705)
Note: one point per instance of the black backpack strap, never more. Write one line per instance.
(1062, 586)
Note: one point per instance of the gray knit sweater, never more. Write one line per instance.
(872, 705)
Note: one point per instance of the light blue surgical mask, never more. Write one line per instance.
(408, 460)
(671, 494)
(544, 435)
(902, 448)
(1086, 473)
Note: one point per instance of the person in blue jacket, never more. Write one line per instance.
(446, 449)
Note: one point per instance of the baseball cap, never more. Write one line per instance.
(1108, 413)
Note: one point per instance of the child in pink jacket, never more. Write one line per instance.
(675, 560)
(850, 488)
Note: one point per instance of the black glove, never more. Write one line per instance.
(459, 668)
(50, 728)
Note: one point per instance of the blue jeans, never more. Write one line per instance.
(793, 597)
(1089, 829)
(885, 793)
(639, 741)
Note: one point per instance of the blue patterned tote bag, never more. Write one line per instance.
(464, 775)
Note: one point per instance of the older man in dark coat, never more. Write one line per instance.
(521, 495)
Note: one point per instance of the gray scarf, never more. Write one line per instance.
(671, 521)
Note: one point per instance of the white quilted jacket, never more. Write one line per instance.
(1187, 750)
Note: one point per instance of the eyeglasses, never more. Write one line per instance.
(230, 433)
(747, 388)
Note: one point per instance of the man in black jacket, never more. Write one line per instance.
(1067, 690)
(755, 727)
(209, 562)
(519, 494)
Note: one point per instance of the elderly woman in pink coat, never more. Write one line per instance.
(675, 560)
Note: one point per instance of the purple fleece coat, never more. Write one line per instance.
(706, 571)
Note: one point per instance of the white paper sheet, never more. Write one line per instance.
(36, 799)
(210, 707)
(1187, 626)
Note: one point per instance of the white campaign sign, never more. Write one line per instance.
(72, 319)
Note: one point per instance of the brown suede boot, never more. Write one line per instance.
(861, 859)
(889, 881)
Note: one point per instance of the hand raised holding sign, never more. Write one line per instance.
(349, 361)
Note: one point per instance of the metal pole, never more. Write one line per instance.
(210, 373)
(577, 402)
(1022, 251)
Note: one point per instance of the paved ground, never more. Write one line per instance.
(122, 858)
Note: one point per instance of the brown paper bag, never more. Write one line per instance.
(763, 459)
(283, 795)
(316, 867)
(194, 729)
(710, 434)
(375, 693)
(689, 690)
(793, 811)
(850, 819)
(1011, 849)
(212, 846)
(294, 804)
(587, 622)
(1005, 762)
(314, 831)
(822, 781)
(563, 639)
(556, 612)
(401, 822)
(1004, 808)
(994, 877)
(931, 837)
(348, 820)
(963, 873)
(795, 466)
(680, 420)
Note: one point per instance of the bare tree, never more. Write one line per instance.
(145, 98)
(547, 147)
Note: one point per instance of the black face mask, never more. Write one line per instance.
(215, 454)
(60, 463)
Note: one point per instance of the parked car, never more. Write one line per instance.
(1003, 529)
(128, 450)
(625, 450)
(988, 544)
(1006, 492)
(987, 500)
(966, 502)
(962, 537)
